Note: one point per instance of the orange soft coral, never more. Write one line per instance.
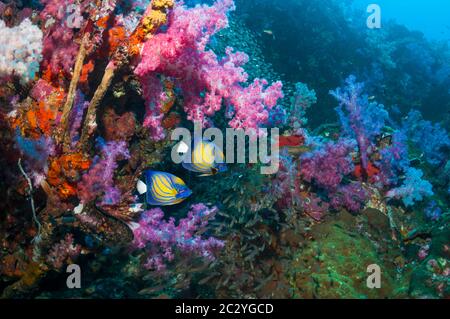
(116, 36)
(65, 171)
(40, 118)
(87, 68)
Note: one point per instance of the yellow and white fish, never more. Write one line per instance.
(163, 189)
(206, 158)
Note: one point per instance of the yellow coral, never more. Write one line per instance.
(162, 4)
(151, 22)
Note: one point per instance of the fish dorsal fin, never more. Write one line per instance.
(178, 181)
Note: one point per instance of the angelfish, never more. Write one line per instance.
(163, 189)
(206, 158)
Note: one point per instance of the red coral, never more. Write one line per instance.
(119, 128)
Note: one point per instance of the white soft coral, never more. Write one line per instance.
(20, 50)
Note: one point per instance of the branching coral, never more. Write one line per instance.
(20, 50)
(163, 238)
(154, 17)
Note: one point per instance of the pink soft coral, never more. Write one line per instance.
(63, 252)
(60, 49)
(205, 80)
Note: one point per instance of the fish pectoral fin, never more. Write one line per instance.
(205, 175)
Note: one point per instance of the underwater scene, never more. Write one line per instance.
(224, 149)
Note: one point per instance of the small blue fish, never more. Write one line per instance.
(163, 189)
(207, 158)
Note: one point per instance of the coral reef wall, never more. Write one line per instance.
(91, 92)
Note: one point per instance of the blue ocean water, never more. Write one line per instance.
(431, 17)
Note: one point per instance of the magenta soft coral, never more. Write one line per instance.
(205, 80)
(327, 166)
(163, 238)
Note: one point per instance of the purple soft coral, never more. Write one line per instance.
(161, 238)
(351, 197)
(36, 154)
(76, 117)
(99, 181)
(360, 118)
